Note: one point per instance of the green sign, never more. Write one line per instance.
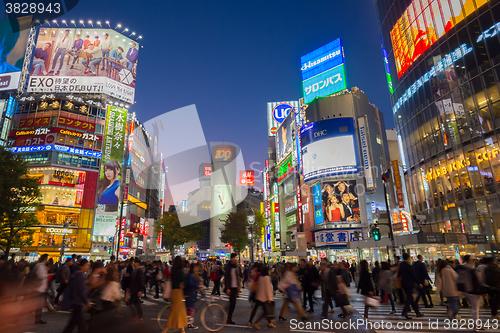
(108, 190)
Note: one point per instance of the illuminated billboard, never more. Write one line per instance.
(15, 33)
(422, 24)
(284, 138)
(109, 190)
(329, 148)
(340, 201)
(276, 114)
(323, 71)
(84, 60)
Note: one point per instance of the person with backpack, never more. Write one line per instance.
(215, 276)
(492, 280)
(79, 300)
(62, 277)
(468, 282)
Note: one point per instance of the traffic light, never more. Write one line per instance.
(228, 245)
(386, 175)
(376, 234)
(136, 230)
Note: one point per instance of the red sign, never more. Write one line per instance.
(34, 122)
(124, 250)
(397, 180)
(77, 124)
(159, 238)
(268, 209)
(122, 233)
(404, 221)
(142, 226)
(81, 180)
(247, 177)
(146, 228)
(207, 170)
(299, 205)
(78, 198)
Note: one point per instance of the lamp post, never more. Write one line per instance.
(251, 222)
(385, 179)
(63, 243)
(147, 247)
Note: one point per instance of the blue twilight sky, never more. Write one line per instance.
(232, 57)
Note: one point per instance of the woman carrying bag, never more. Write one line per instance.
(386, 286)
(264, 297)
(178, 315)
(365, 285)
(290, 285)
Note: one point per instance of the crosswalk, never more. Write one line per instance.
(243, 295)
(435, 319)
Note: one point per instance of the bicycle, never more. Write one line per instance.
(213, 316)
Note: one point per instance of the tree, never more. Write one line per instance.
(173, 235)
(235, 231)
(20, 194)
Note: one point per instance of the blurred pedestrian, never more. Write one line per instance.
(79, 300)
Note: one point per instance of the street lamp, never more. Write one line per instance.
(147, 247)
(251, 222)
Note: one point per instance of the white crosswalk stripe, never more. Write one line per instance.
(435, 319)
(243, 295)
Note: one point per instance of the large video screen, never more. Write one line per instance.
(323, 71)
(84, 60)
(422, 24)
(329, 148)
(15, 33)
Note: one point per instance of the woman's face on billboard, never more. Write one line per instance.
(109, 173)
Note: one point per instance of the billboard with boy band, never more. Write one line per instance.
(340, 201)
(84, 60)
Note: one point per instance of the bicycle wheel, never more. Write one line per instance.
(213, 317)
(162, 317)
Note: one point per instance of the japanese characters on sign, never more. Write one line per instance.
(334, 237)
(34, 122)
(59, 148)
(323, 71)
(76, 124)
(247, 177)
(397, 181)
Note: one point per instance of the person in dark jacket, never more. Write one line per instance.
(375, 276)
(408, 280)
(365, 283)
(64, 277)
(232, 279)
(422, 274)
(78, 296)
(311, 281)
(136, 287)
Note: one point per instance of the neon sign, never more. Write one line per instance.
(447, 60)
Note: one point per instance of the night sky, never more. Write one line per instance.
(232, 57)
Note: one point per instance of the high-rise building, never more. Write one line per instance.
(442, 64)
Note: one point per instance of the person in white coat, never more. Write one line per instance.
(447, 283)
(264, 297)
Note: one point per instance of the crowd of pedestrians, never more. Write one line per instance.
(94, 290)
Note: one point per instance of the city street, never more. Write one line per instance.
(380, 318)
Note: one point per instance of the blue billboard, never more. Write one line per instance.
(59, 148)
(323, 71)
(318, 205)
(329, 148)
(322, 59)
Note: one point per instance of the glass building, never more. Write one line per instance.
(442, 61)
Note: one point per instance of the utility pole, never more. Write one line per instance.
(385, 178)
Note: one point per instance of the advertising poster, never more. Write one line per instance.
(420, 27)
(15, 33)
(318, 204)
(329, 148)
(247, 177)
(222, 199)
(108, 189)
(340, 201)
(284, 138)
(84, 60)
(276, 113)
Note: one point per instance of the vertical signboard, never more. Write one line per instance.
(397, 181)
(108, 191)
(298, 125)
(365, 152)
(299, 204)
(276, 113)
(318, 204)
(277, 226)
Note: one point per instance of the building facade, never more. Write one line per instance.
(442, 62)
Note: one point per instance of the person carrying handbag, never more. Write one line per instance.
(290, 285)
(264, 297)
(365, 285)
